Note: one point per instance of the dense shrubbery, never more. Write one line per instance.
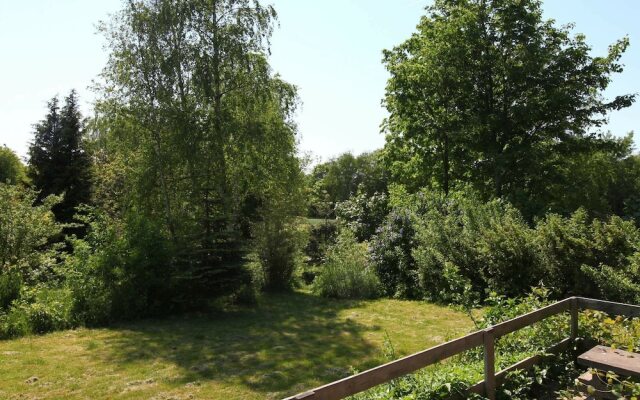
(391, 255)
(363, 213)
(31, 297)
(346, 274)
(119, 271)
(457, 248)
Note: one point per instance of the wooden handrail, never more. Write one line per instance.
(384, 373)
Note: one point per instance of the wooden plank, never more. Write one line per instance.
(523, 365)
(607, 359)
(520, 322)
(610, 307)
(531, 361)
(489, 364)
(574, 317)
(384, 373)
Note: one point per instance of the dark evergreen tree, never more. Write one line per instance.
(58, 163)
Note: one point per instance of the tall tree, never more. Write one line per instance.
(58, 162)
(202, 126)
(488, 92)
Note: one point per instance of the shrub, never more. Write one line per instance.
(39, 310)
(346, 273)
(321, 237)
(584, 257)
(391, 255)
(363, 214)
(10, 284)
(278, 241)
(27, 233)
(121, 270)
(465, 246)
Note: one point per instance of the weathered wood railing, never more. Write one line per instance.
(384, 373)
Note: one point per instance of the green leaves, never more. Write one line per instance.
(488, 93)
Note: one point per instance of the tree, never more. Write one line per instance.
(11, 168)
(488, 92)
(58, 162)
(201, 126)
(342, 177)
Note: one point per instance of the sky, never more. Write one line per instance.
(330, 49)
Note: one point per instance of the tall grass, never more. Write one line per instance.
(346, 274)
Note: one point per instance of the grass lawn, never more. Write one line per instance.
(287, 344)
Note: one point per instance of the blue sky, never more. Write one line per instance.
(331, 49)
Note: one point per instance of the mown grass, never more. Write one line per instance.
(287, 344)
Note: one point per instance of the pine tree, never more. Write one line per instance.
(58, 163)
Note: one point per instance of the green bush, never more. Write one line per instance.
(363, 213)
(121, 270)
(465, 246)
(346, 274)
(459, 247)
(10, 285)
(279, 239)
(391, 255)
(321, 237)
(38, 310)
(28, 234)
(589, 257)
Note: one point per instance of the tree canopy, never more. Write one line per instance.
(489, 93)
(12, 170)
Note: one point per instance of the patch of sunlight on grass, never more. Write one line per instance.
(288, 344)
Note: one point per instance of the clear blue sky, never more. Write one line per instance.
(331, 49)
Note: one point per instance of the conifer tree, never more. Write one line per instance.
(58, 163)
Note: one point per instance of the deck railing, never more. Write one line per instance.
(384, 373)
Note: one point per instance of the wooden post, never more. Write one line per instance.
(489, 364)
(574, 318)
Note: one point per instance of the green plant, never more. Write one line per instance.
(38, 310)
(346, 273)
(392, 257)
(10, 285)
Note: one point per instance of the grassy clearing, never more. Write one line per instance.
(287, 344)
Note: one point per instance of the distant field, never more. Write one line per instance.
(288, 344)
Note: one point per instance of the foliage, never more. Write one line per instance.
(202, 128)
(391, 255)
(38, 310)
(58, 162)
(26, 233)
(11, 168)
(338, 179)
(121, 270)
(10, 285)
(589, 257)
(480, 95)
(456, 248)
(464, 245)
(321, 237)
(346, 273)
(363, 213)
(279, 243)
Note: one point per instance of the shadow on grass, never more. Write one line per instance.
(287, 343)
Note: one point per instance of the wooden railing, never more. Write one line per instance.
(384, 373)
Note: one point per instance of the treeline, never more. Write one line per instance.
(497, 174)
